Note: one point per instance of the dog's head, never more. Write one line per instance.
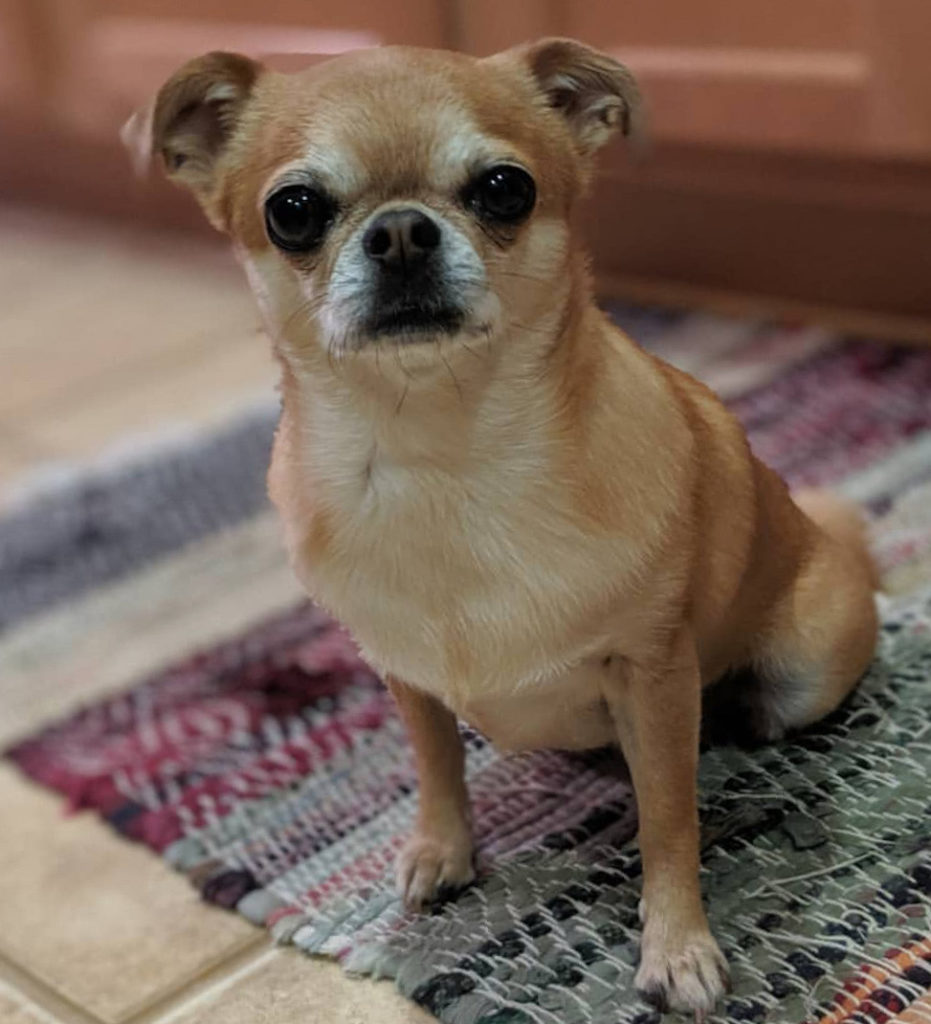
(393, 194)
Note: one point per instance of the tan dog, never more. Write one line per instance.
(527, 521)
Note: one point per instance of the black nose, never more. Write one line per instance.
(401, 240)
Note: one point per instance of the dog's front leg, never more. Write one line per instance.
(656, 708)
(439, 853)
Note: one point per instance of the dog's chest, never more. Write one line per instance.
(464, 585)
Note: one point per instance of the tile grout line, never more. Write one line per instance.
(41, 996)
(59, 1009)
(20, 1001)
(212, 979)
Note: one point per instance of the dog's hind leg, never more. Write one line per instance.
(821, 635)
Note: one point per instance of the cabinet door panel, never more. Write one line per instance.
(789, 24)
(415, 22)
(816, 76)
(86, 63)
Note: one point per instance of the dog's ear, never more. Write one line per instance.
(192, 118)
(596, 94)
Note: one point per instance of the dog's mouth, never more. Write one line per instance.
(415, 320)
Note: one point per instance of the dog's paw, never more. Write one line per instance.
(689, 976)
(429, 866)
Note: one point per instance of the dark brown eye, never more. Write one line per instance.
(504, 193)
(297, 218)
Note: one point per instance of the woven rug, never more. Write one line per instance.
(260, 756)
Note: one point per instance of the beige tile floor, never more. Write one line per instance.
(108, 335)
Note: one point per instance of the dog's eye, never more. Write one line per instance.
(297, 218)
(504, 193)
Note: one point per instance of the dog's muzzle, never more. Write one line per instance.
(405, 245)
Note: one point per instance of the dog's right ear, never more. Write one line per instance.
(192, 119)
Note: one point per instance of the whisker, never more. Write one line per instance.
(439, 349)
(400, 404)
(400, 361)
(528, 327)
(500, 243)
(308, 306)
(521, 277)
(468, 349)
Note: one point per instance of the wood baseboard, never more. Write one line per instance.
(680, 295)
(824, 232)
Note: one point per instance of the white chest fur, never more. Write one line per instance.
(457, 584)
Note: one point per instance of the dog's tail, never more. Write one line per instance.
(842, 520)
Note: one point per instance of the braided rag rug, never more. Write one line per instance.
(260, 755)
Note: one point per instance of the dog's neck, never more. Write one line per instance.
(438, 399)
(443, 398)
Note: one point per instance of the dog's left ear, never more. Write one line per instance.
(596, 94)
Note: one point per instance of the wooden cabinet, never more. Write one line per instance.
(791, 145)
(818, 76)
(88, 62)
(791, 149)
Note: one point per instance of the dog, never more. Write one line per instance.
(527, 521)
